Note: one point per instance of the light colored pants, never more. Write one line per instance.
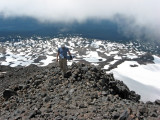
(63, 65)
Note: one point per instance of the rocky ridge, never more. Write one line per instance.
(87, 92)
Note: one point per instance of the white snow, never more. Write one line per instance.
(108, 54)
(156, 59)
(143, 79)
(113, 62)
(131, 56)
(114, 52)
(117, 57)
(4, 63)
(96, 64)
(48, 60)
(99, 50)
(69, 63)
(71, 44)
(96, 44)
(1, 55)
(106, 66)
(92, 56)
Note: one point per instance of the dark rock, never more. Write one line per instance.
(19, 87)
(78, 79)
(87, 93)
(68, 74)
(102, 82)
(49, 110)
(43, 95)
(154, 114)
(149, 103)
(39, 76)
(47, 99)
(72, 118)
(105, 88)
(94, 96)
(58, 118)
(32, 114)
(82, 106)
(134, 97)
(112, 83)
(106, 116)
(17, 112)
(84, 69)
(115, 115)
(124, 115)
(143, 110)
(37, 82)
(157, 102)
(134, 65)
(38, 112)
(94, 69)
(1, 75)
(122, 90)
(8, 93)
(18, 118)
(110, 97)
(27, 86)
(71, 91)
(13, 105)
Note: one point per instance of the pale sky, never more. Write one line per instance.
(137, 14)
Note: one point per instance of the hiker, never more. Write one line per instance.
(62, 54)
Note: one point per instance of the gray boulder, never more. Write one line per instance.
(8, 93)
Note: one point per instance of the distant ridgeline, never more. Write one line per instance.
(140, 45)
(28, 27)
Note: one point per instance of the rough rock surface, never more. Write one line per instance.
(87, 92)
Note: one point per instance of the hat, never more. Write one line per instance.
(62, 45)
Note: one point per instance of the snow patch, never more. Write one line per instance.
(146, 75)
(92, 56)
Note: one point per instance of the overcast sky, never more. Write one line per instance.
(136, 14)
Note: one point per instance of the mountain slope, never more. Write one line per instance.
(86, 93)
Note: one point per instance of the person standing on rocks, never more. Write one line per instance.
(62, 55)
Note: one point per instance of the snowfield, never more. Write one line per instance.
(113, 57)
(143, 79)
